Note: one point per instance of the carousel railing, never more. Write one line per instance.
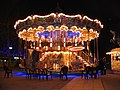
(86, 56)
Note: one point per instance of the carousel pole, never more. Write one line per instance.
(34, 40)
(88, 44)
(64, 40)
(39, 42)
(26, 49)
(19, 48)
(94, 50)
(97, 48)
(51, 40)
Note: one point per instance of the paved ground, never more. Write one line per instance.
(21, 83)
(104, 82)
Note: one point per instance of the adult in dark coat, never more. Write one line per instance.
(63, 72)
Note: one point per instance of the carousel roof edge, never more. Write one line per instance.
(57, 15)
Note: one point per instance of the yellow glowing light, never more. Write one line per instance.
(72, 16)
(63, 27)
(58, 47)
(50, 28)
(29, 17)
(64, 45)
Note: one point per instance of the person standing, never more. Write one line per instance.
(104, 63)
(64, 72)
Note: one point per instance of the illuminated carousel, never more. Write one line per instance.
(61, 39)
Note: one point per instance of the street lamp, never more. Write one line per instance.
(10, 48)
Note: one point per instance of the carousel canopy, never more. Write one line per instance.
(58, 25)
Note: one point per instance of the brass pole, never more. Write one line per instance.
(88, 47)
(97, 49)
(94, 50)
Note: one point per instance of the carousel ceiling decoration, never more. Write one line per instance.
(58, 26)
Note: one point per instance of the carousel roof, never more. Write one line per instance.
(82, 27)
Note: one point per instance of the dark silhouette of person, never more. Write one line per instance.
(102, 66)
(64, 72)
(87, 72)
(91, 71)
(95, 72)
(8, 71)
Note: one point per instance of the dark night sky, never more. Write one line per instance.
(107, 11)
